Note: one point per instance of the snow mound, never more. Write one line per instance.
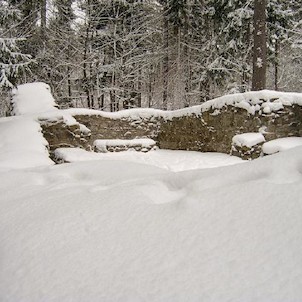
(281, 144)
(32, 98)
(120, 231)
(248, 139)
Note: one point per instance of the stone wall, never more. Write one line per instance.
(60, 135)
(124, 128)
(208, 131)
(213, 132)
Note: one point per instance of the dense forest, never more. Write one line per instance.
(119, 54)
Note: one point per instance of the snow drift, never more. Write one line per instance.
(123, 231)
(116, 229)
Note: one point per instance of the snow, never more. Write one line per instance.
(58, 116)
(264, 101)
(135, 113)
(35, 99)
(281, 144)
(32, 98)
(145, 143)
(261, 102)
(259, 62)
(161, 226)
(22, 144)
(123, 231)
(248, 139)
(165, 159)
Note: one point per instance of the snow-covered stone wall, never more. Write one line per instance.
(208, 127)
(214, 132)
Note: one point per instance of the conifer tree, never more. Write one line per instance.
(13, 63)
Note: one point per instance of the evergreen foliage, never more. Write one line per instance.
(13, 62)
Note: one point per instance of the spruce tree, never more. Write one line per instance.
(13, 63)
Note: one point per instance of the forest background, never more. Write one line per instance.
(167, 54)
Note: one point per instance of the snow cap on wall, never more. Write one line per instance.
(32, 98)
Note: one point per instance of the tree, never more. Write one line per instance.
(259, 50)
(118, 45)
(13, 63)
(166, 54)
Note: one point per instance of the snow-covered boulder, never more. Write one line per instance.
(32, 98)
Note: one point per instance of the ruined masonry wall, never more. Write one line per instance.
(208, 131)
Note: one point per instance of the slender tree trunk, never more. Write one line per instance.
(276, 64)
(69, 72)
(114, 105)
(259, 51)
(139, 90)
(245, 80)
(187, 69)
(86, 80)
(85, 73)
(91, 86)
(43, 9)
(69, 83)
(165, 61)
(149, 89)
(102, 101)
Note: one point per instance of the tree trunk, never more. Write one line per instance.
(259, 51)
(114, 103)
(86, 79)
(165, 61)
(139, 90)
(245, 79)
(85, 73)
(187, 69)
(43, 9)
(276, 64)
(69, 83)
(149, 89)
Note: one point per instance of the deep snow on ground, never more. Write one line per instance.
(166, 159)
(129, 227)
(123, 231)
